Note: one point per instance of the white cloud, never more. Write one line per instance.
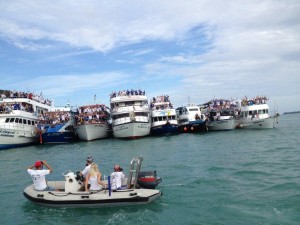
(226, 47)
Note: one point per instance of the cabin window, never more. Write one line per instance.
(12, 120)
(141, 114)
(193, 109)
(28, 122)
(129, 103)
(20, 120)
(17, 120)
(120, 116)
(32, 123)
(24, 121)
(266, 111)
(7, 120)
(250, 113)
(172, 117)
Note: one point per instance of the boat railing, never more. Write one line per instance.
(122, 121)
(130, 108)
(131, 119)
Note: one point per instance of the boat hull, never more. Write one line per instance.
(58, 137)
(219, 125)
(166, 129)
(10, 138)
(131, 130)
(89, 132)
(193, 127)
(266, 123)
(89, 199)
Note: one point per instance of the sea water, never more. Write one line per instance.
(232, 177)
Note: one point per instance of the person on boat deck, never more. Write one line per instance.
(94, 179)
(116, 178)
(38, 175)
(86, 170)
(89, 161)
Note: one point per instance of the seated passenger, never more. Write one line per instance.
(94, 179)
(116, 178)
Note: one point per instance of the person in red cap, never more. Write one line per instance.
(38, 175)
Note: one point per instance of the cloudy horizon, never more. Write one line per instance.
(196, 50)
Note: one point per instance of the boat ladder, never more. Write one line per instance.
(135, 167)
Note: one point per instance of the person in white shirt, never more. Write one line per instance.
(116, 178)
(86, 170)
(38, 175)
(93, 178)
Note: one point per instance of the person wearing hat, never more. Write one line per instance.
(86, 170)
(38, 175)
(89, 161)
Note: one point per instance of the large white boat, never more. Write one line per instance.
(191, 119)
(220, 115)
(254, 114)
(19, 113)
(163, 116)
(130, 114)
(93, 122)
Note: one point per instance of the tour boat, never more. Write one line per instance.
(57, 126)
(19, 113)
(138, 188)
(220, 115)
(191, 119)
(130, 114)
(163, 116)
(93, 122)
(254, 114)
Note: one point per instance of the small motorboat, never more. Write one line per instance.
(138, 188)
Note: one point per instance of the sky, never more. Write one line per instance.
(79, 52)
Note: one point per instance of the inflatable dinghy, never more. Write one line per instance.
(138, 188)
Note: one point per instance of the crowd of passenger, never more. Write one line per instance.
(92, 114)
(55, 117)
(161, 99)
(254, 101)
(20, 94)
(8, 107)
(221, 104)
(127, 93)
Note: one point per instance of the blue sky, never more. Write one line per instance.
(196, 49)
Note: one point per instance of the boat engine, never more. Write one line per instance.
(71, 182)
(148, 179)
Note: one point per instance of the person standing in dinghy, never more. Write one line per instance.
(39, 175)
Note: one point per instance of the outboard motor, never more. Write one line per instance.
(148, 179)
(71, 183)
